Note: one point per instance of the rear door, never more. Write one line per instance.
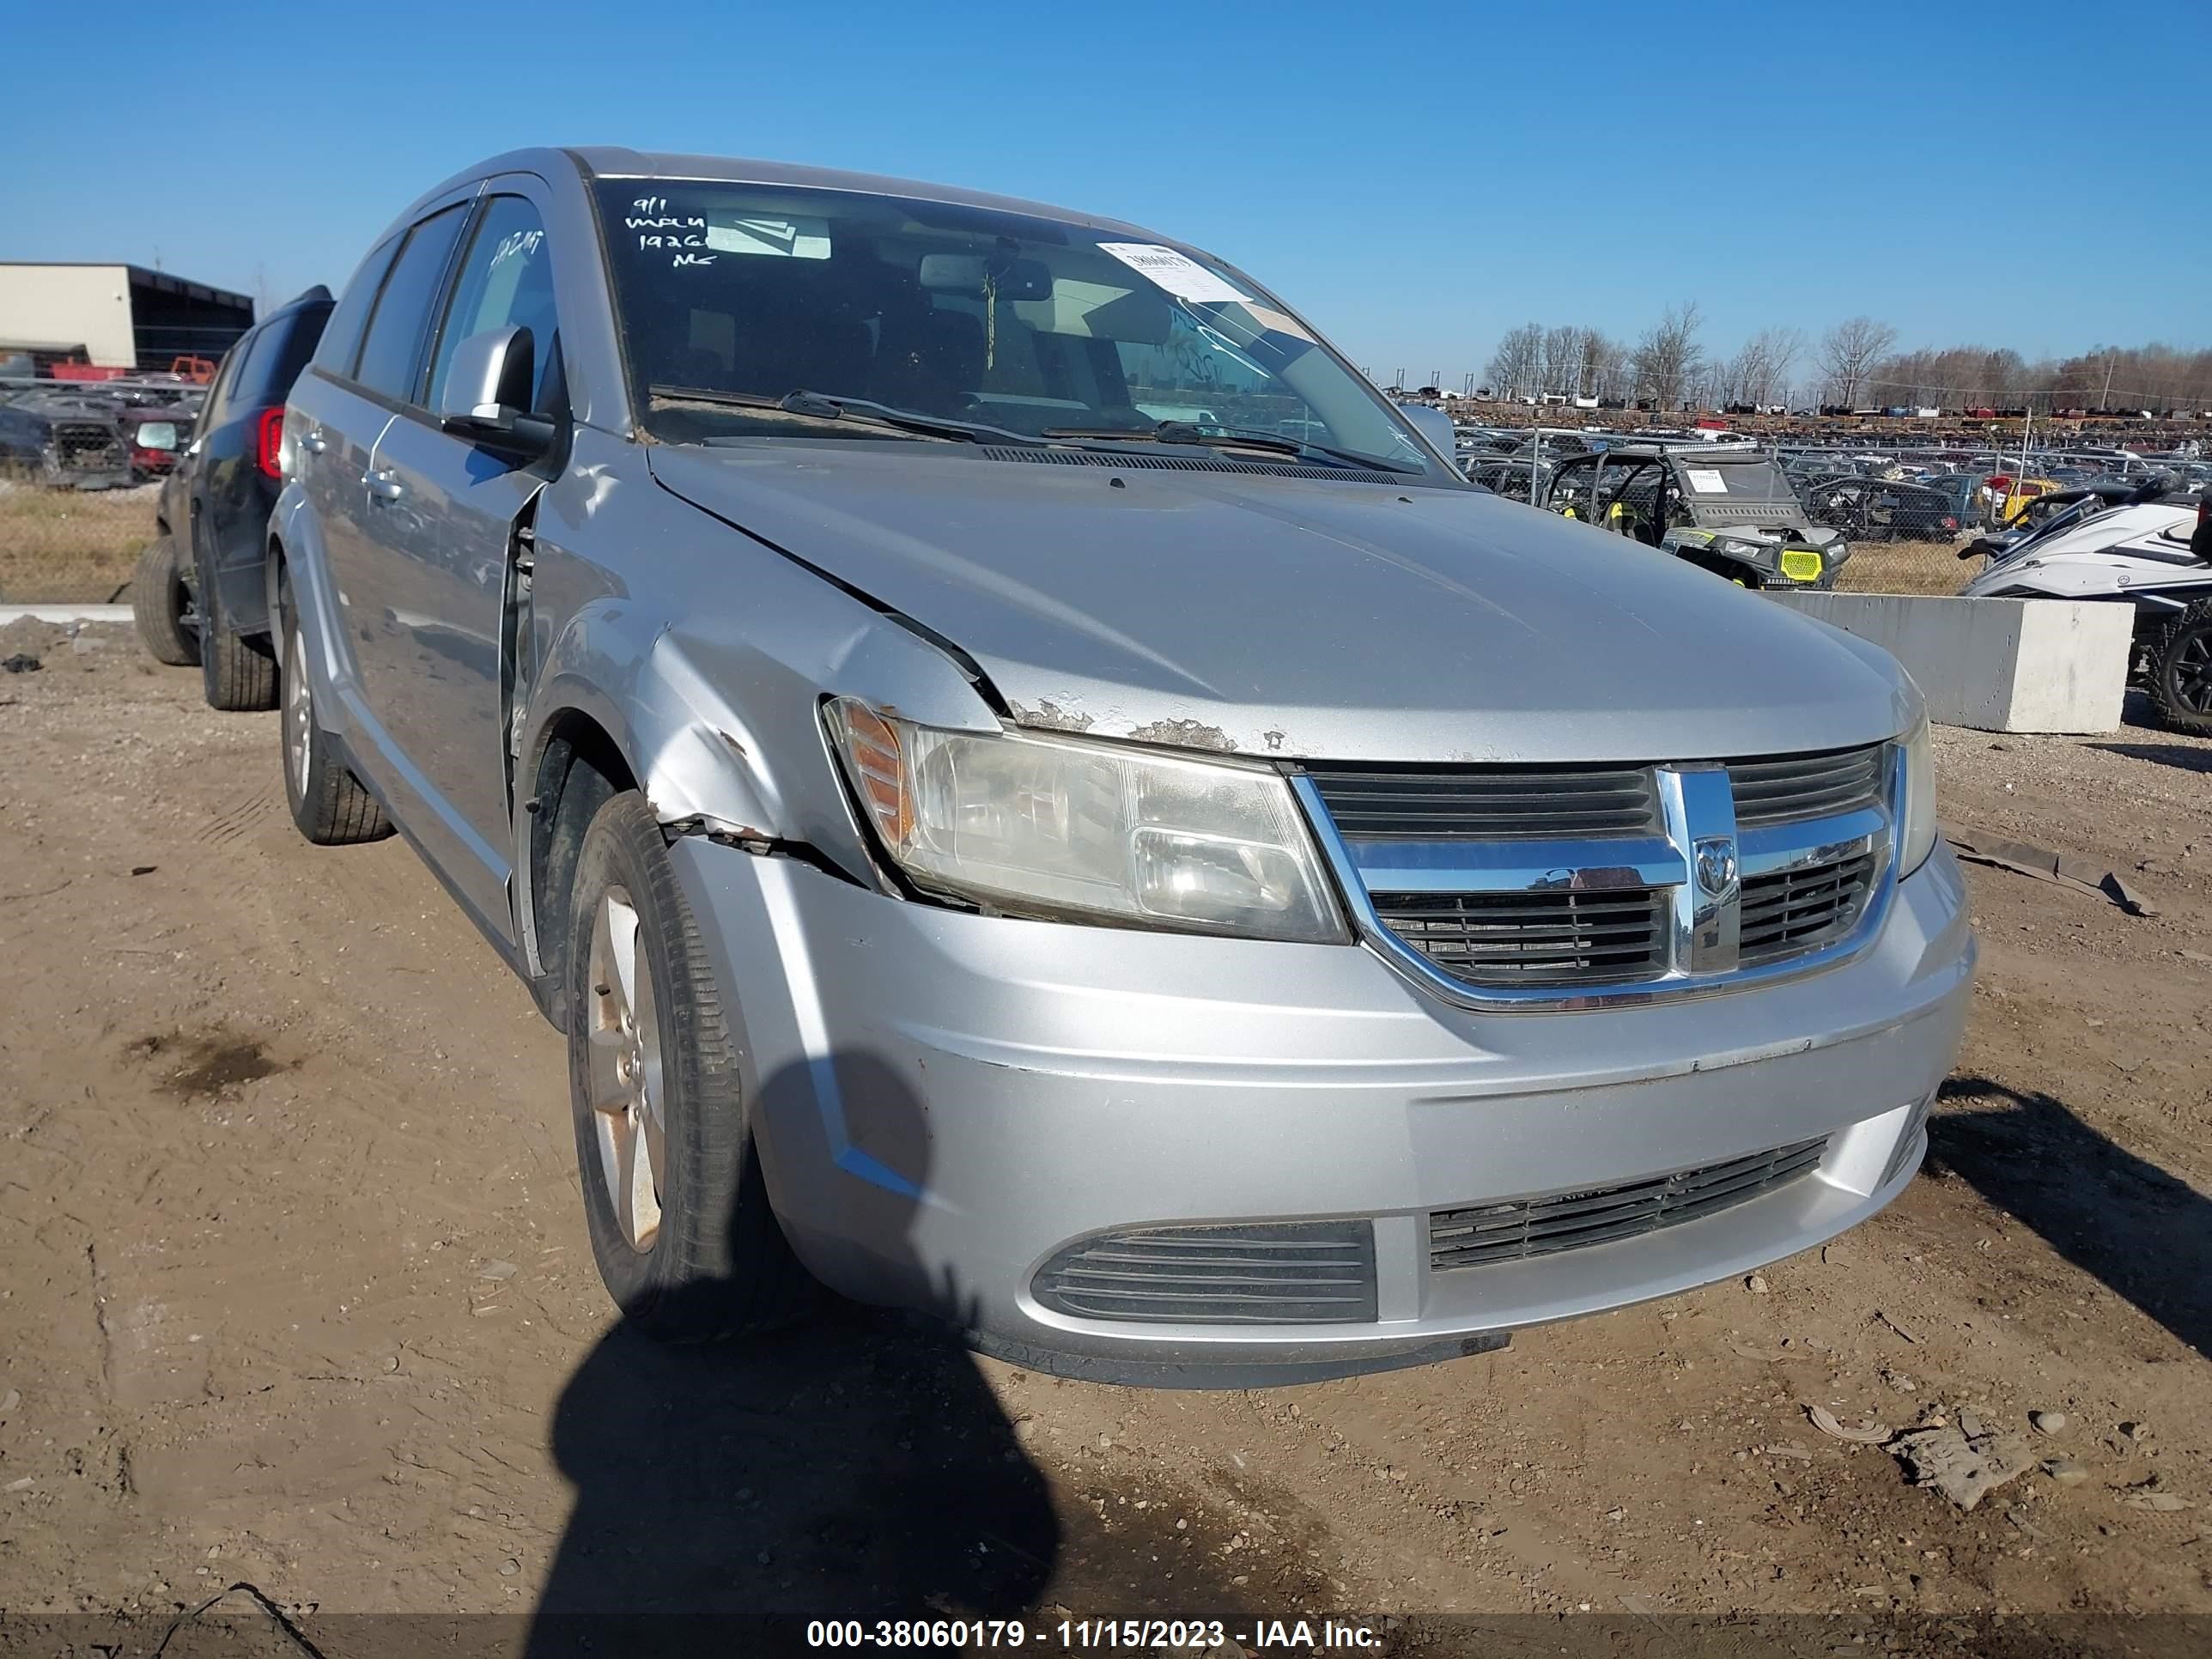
(442, 514)
(331, 427)
(386, 379)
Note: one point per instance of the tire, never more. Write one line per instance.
(236, 673)
(2180, 664)
(328, 803)
(162, 606)
(695, 1251)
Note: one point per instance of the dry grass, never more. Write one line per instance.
(1904, 568)
(68, 546)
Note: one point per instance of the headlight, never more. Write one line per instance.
(1087, 831)
(1919, 840)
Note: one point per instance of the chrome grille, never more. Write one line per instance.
(1788, 913)
(1535, 884)
(1457, 803)
(1534, 938)
(1488, 1233)
(1806, 786)
(1309, 1273)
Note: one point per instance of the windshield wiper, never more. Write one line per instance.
(861, 411)
(1234, 437)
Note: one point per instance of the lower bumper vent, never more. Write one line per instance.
(1488, 1233)
(1308, 1272)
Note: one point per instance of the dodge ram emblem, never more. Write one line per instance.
(1716, 861)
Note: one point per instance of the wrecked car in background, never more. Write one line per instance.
(64, 442)
(1188, 903)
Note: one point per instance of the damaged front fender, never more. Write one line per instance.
(717, 716)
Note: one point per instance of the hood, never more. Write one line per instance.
(1283, 616)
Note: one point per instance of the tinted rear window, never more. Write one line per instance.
(286, 347)
(392, 352)
(341, 341)
(279, 351)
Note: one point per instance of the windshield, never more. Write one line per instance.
(1709, 477)
(1035, 326)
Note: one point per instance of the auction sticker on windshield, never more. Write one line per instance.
(1178, 273)
(1705, 480)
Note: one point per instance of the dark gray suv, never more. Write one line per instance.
(1035, 793)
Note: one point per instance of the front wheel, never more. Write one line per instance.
(678, 1215)
(2181, 672)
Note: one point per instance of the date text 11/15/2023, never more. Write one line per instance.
(1081, 1635)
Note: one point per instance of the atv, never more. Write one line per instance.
(2144, 546)
(1728, 511)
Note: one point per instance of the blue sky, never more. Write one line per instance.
(1416, 177)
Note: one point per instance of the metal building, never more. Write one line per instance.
(114, 316)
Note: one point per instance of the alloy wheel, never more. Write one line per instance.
(623, 1037)
(299, 709)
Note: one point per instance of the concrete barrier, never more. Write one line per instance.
(1995, 664)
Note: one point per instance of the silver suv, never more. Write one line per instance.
(1035, 793)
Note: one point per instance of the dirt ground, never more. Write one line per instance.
(295, 1291)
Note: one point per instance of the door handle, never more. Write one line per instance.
(384, 486)
(313, 441)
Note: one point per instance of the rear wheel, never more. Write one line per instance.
(162, 606)
(236, 673)
(2180, 670)
(678, 1215)
(328, 803)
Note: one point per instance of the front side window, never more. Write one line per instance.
(1045, 328)
(505, 277)
(391, 351)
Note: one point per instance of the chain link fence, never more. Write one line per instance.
(81, 463)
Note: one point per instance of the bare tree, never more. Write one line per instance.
(1668, 360)
(1606, 371)
(1848, 351)
(1518, 363)
(1567, 359)
(1759, 371)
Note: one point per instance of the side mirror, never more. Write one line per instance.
(486, 397)
(1435, 428)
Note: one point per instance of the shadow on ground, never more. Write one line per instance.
(2146, 1235)
(2182, 756)
(856, 1466)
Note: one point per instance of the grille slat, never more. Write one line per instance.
(1531, 938)
(1806, 786)
(1785, 915)
(1463, 804)
(1281, 1273)
(1584, 1218)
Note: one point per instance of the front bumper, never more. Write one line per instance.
(944, 1100)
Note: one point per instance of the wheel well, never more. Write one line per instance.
(579, 768)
